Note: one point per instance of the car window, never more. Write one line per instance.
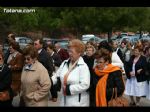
(22, 40)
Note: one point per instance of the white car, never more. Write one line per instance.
(23, 41)
(91, 37)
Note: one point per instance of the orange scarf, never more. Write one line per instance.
(101, 85)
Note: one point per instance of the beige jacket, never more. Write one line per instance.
(35, 85)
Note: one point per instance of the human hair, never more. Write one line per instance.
(91, 46)
(105, 44)
(103, 53)
(139, 47)
(78, 45)
(31, 51)
(15, 45)
(12, 36)
(51, 47)
(40, 40)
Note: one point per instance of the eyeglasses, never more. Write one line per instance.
(27, 58)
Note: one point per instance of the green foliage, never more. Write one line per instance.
(79, 19)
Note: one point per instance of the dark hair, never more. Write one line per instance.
(51, 47)
(15, 46)
(40, 40)
(105, 45)
(31, 51)
(103, 53)
(12, 36)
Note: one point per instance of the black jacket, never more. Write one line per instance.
(46, 61)
(148, 69)
(5, 79)
(141, 64)
(114, 80)
(57, 59)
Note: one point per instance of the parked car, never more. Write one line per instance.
(63, 42)
(91, 37)
(131, 39)
(23, 41)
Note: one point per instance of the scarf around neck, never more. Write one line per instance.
(101, 85)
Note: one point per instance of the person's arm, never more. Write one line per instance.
(6, 79)
(84, 82)
(19, 62)
(116, 60)
(44, 86)
(119, 83)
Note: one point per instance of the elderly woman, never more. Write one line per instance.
(5, 84)
(35, 81)
(107, 77)
(136, 84)
(74, 76)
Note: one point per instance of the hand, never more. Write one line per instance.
(138, 71)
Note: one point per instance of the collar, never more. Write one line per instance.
(14, 54)
(58, 50)
(39, 51)
(52, 53)
(80, 61)
(32, 67)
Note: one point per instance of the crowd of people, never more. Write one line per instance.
(84, 74)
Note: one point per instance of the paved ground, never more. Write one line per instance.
(144, 102)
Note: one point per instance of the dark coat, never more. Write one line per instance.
(141, 64)
(57, 59)
(6, 80)
(148, 69)
(63, 54)
(46, 61)
(90, 62)
(114, 80)
(120, 54)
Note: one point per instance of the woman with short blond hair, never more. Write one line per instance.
(74, 76)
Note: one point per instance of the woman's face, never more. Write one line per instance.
(73, 54)
(29, 60)
(137, 52)
(101, 63)
(11, 49)
(89, 51)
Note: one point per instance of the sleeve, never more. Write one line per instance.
(6, 79)
(57, 74)
(116, 60)
(119, 83)
(45, 84)
(19, 62)
(84, 81)
(57, 60)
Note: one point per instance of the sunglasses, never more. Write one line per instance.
(27, 58)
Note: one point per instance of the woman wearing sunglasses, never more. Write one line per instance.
(35, 81)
